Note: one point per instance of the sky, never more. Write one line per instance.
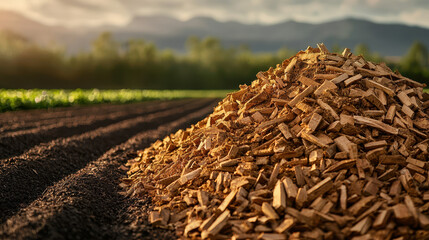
(75, 13)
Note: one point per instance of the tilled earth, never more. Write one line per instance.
(60, 169)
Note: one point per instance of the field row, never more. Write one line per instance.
(41, 98)
(60, 176)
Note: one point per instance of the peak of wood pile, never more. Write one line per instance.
(323, 146)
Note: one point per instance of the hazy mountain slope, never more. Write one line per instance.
(166, 32)
(387, 39)
(33, 30)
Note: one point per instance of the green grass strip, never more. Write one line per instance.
(14, 99)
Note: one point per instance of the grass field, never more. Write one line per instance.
(41, 98)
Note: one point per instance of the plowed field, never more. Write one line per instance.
(60, 169)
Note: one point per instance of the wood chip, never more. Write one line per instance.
(328, 108)
(291, 188)
(308, 81)
(402, 214)
(269, 211)
(352, 80)
(217, 225)
(376, 124)
(321, 146)
(279, 196)
(340, 78)
(286, 225)
(309, 90)
(227, 200)
(319, 189)
(326, 86)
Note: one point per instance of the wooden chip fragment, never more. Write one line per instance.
(228, 199)
(361, 205)
(376, 124)
(291, 65)
(382, 219)
(308, 81)
(285, 131)
(309, 90)
(340, 78)
(362, 227)
(314, 122)
(269, 211)
(345, 164)
(328, 108)
(195, 224)
(273, 122)
(373, 84)
(279, 196)
(299, 175)
(326, 85)
(274, 174)
(320, 188)
(343, 197)
(375, 144)
(313, 139)
(343, 143)
(217, 225)
(301, 197)
(352, 80)
(203, 197)
(291, 188)
(285, 226)
(404, 99)
(402, 214)
(189, 176)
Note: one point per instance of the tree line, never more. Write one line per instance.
(206, 64)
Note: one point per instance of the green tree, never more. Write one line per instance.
(417, 57)
(336, 48)
(105, 48)
(12, 44)
(362, 49)
(140, 51)
(415, 64)
(284, 53)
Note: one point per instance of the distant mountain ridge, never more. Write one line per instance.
(167, 32)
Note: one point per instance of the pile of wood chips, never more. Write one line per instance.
(324, 146)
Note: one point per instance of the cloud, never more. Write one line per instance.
(71, 12)
(415, 16)
(119, 12)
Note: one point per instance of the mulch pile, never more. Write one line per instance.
(323, 146)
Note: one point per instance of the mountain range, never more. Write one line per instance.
(167, 32)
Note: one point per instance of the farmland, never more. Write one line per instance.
(11, 100)
(61, 168)
(44, 98)
(75, 143)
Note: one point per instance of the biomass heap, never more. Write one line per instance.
(324, 146)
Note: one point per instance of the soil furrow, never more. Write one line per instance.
(17, 122)
(62, 112)
(87, 204)
(15, 143)
(25, 177)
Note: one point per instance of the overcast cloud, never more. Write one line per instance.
(120, 12)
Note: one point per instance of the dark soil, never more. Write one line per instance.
(23, 132)
(66, 185)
